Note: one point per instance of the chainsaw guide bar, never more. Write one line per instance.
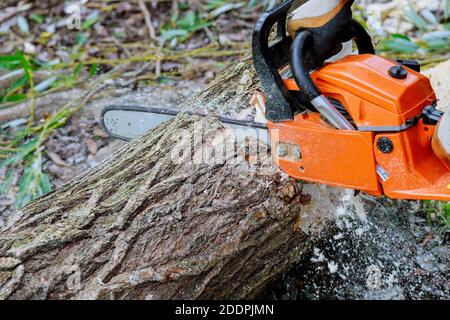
(128, 122)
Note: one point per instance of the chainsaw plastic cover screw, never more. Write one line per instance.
(296, 153)
(385, 145)
(282, 150)
(398, 72)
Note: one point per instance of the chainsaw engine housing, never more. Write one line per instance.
(362, 122)
(391, 151)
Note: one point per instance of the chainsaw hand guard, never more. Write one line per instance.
(269, 58)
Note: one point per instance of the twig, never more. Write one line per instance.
(135, 73)
(205, 52)
(7, 149)
(124, 49)
(13, 74)
(12, 111)
(159, 55)
(211, 36)
(148, 19)
(175, 9)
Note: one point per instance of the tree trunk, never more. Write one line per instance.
(143, 226)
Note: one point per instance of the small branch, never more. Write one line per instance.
(7, 149)
(206, 52)
(13, 74)
(148, 19)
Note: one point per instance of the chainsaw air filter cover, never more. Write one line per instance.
(375, 100)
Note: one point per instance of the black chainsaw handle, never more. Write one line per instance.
(362, 39)
(301, 74)
(304, 40)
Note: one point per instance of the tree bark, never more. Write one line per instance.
(143, 226)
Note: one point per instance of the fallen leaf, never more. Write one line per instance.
(91, 146)
(57, 159)
(427, 239)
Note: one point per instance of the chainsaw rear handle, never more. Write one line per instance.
(268, 58)
(299, 49)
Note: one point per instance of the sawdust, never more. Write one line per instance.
(381, 257)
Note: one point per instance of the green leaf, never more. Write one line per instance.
(81, 38)
(26, 65)
(37, 18)
(173, 33)
(76, 72)
(252, 3)
(24, 197)
(14, 97)
(398, 44)
(438, 45)
(4, 187)
(88, 23)
(93, 70)
(33, 184)
(189, 20)
(23, 80)
(9, 96)
(59, 119)
(192, 22)
(400, 36)
(414, 17)
(45, 184)
(20, 136)
(24, 150)
(225, 8)
(214, 4)
(10, 62)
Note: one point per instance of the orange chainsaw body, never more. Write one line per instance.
(381, 107)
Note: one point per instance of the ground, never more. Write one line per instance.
(372, 251)
(387, 254)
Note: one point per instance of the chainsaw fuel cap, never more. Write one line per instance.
(398, 72)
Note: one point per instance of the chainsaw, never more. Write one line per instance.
(360, 122)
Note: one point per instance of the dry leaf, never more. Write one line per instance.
(91, 146)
